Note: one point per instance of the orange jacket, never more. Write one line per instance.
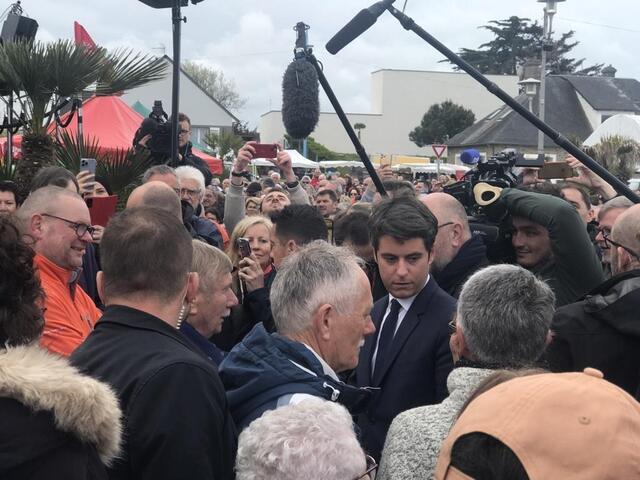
(70, 313)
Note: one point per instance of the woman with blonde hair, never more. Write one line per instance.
(253, 276)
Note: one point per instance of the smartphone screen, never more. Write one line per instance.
(244, 247)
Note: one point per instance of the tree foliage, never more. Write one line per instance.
(215, 84)
(617, 154)
(224, 143)
(441, 122)
(359, 127)
(517, 40)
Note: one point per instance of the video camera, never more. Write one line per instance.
(158, 126)
(491, 221)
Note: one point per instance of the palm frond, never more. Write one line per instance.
(125, 70)
(25, 68)
(123, 170)
(7, 171)
(69, 151)
(74, 67)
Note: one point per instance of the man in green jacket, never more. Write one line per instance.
(550, 240)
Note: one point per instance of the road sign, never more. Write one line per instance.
(438, 150)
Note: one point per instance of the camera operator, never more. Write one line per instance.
(549, 239)
(156, 125)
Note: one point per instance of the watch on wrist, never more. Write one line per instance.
(237, 174)
(293, 184)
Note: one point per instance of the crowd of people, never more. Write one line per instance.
(289, 327)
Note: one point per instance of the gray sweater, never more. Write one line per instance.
(234, 204)
(413, 442)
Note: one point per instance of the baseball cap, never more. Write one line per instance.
(559, 425)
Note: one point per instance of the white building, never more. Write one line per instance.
(399, 100)
(206, 114)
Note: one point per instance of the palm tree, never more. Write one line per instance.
(618, 154)
(358, 127)
(40, 75)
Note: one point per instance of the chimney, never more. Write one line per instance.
(609, 71)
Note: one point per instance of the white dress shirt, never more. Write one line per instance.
(405, 305)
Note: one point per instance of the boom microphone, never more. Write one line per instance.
(357, 26)
(300, 104)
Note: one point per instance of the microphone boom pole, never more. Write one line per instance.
(345, 123)
(409, 24)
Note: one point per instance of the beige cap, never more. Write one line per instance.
(559, 425)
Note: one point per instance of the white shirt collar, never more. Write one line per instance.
(406, 303)
(325, 366)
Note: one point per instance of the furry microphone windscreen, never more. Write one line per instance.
(300, 104)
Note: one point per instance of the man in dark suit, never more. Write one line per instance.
(408, 359)
(176, 420)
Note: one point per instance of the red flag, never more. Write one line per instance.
(82, 37)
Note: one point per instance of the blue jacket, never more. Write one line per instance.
(260, 370)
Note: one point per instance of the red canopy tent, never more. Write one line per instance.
(113, 123)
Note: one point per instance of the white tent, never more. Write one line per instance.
(297, 161)
(623, 125)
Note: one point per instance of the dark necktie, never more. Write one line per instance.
(386, 337)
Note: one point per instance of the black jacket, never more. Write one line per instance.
(55, 424)
(177, 423)
(254, 309)
(192, 160)
(471, 257)
(419, 362)
(601, 331)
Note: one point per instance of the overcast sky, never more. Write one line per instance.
(251, 41)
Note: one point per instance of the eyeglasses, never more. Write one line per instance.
(188, 191)
(445, 225)
(80, 228)
(372, 467)
(607, 241)
(453, 326)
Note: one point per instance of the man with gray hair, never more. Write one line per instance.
(502, 322)
(191, 194)
(602, 330)
(607, 216)
(321, 303)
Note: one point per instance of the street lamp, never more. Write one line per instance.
(550, 9)
(530, 86)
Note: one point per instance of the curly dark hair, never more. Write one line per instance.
(21, 296)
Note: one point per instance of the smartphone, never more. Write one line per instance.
(101, 209)
(556, 170)
(88, 165)
(265, 150)
(244, 247)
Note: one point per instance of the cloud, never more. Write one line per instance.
(251, 41)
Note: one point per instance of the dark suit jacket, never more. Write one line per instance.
(176, 418)
(420, 361)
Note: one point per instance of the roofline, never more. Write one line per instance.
(432, 71)
(329, 113)
(166, 57)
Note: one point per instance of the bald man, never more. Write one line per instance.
(602, 330)
(156, 194)
(457, 254)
